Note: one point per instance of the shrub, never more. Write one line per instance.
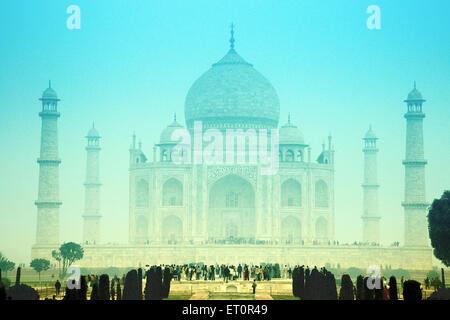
(6, 283)
(393, 294)
(119, 291)
(412, 291)
(346, 291)
(103, 287)
(359, 287)
(94, 293)
(130, 289)
(139, 284)
(21, 291)
(432, 274)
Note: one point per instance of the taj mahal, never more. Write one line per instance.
(228, 212)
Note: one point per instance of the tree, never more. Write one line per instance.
(432, 274)
(68, 253)
(2, 288)
(40, 265)
(119, 291)
(56, 254)
(439, 227)
(5, 264)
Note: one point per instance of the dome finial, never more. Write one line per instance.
(289, 118)
(414, 84)
(232, 36)
(174, 117)
(49, 83)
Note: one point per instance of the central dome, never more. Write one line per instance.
(232, 94)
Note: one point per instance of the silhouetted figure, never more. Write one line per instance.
(57, 287)
(412, 291)
(94, 292)
(379, 289)
(254, 286)
(346, 291)
(393, 294)
(103, 287)
(166, 283)
(367, 294)
(359, 288)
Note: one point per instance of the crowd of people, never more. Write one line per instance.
(229, 272)
(251, 241)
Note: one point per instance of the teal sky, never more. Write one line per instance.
(131, 64)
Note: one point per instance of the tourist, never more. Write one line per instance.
(57, 287)
(239, 270)
(254, 286)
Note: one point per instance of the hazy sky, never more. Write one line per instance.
(131, 64)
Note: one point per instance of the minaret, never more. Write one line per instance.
(47, 232)
(370, 217)
(91, 216)
(415, 206)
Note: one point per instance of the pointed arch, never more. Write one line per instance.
(172, 193)
(141, 193)
(291, 230)
(291, 193)
(141, 228)
(321, 194)
(321, 229)
(289, 156)
(172, 229)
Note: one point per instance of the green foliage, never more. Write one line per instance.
(354, 272)
(5, 264)
(439, 227)
(432, 274)
(397, 273)
(6, 283)
(111, 271)
(68, 253)
(40, 265)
